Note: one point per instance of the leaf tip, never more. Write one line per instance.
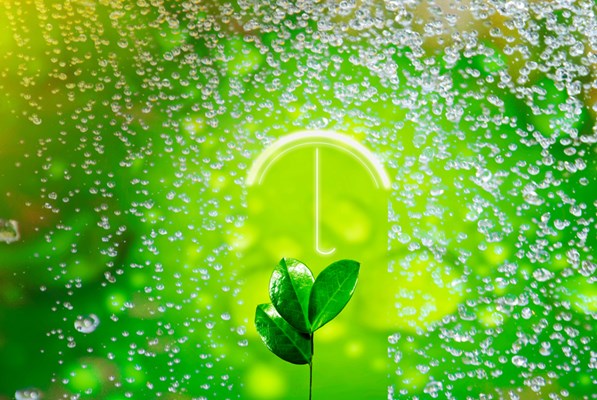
(353, 264)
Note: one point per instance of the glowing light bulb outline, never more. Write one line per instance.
(336, 140)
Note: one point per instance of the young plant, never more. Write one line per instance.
(301, 305)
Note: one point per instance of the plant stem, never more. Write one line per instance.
(311, 370)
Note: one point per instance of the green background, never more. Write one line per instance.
(128, 132)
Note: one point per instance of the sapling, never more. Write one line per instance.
(301, 305)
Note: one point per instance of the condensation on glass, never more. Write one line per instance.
(135, 241)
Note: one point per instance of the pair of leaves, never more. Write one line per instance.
(302, 304)
(308, 304)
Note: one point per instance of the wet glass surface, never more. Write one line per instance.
(135, 247)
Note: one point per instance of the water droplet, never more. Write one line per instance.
(526, 313)
(545, 349)
(577, 49)
(519, 361)
(87, 324)
(35, 119)
(433, 388)
(561, 224)
(587, 268)
(9, 231)
(575, 210)
(393, 339)
(542, 274)
(28, 394)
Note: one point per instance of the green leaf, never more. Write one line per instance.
(289, 290)
(281, 338)
(332, 289)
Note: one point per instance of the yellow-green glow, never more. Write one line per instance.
(296, 140)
